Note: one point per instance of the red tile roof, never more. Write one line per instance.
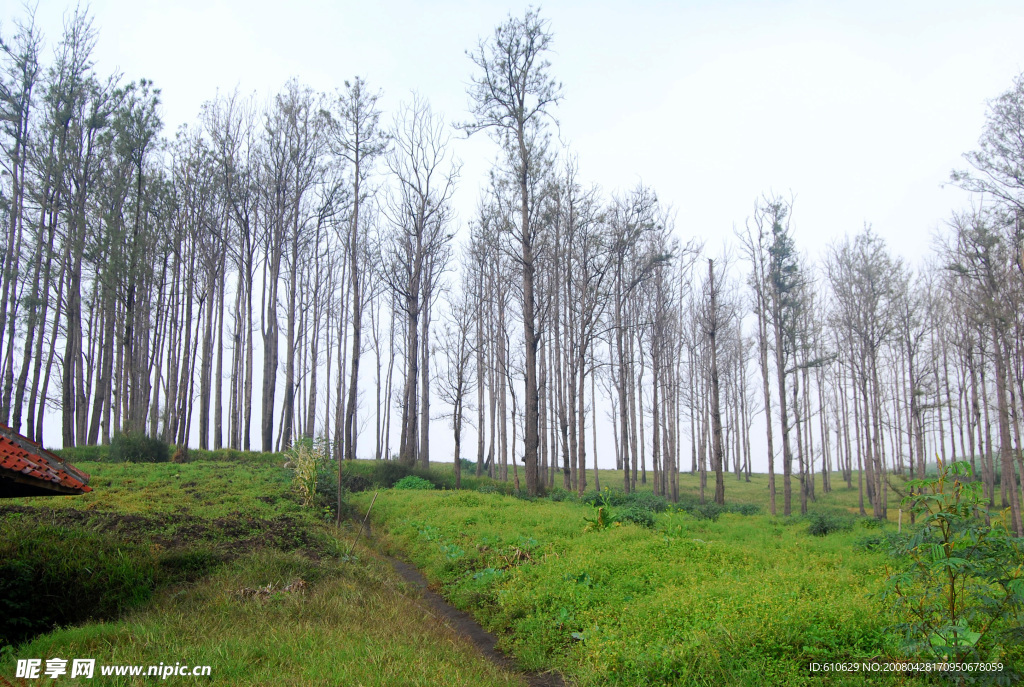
(27, 469)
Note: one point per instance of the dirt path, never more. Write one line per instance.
(462, 622)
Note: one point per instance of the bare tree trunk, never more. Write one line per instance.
(425, 382)
(716, 413)
(1009, 480)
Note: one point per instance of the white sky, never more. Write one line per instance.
(860, 108)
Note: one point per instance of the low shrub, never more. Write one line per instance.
(825, 522)
(327, 488)
(686, 503)
(505, 488)
(413, 482)
(707, 511)
(189, 565)
(636, 514)
(743, 508)
(650, 501)
(136, 447)
(874, 542)
(386, 473)
(559, 494)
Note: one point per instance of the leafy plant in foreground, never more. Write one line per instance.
(962, 594)
(599, 522)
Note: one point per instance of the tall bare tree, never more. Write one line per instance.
(513, 94)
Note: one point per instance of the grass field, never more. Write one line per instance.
(737, 600)
(700, 598)
(215, 562)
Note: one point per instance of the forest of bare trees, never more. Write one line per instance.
(309, 246)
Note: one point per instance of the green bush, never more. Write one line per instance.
(189, 565)
(825, 522)
(78, 454)
(354, 483)
(559, 494)
(743, 508)
(327, 487)
(386, 473)
(636, 514)
(413, 482)
(707, 511)
(136, 447)
(649, 500)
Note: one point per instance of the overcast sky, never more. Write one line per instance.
(860, 109)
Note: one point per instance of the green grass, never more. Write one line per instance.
(153, 566)
(158, 559)
(741, 600)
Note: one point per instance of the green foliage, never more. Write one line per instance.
(559, 494)
(77, 454)
(136, 447)
(493, 487)
(822, 523)
(600, 521)
(960, 595)
(707, 511)
(650, 501)
(617, 498)
(636, 514)
(386, 473)
(413, 482)
(633, 513)
(743, 508)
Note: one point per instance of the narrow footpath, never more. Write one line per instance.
(460, 621)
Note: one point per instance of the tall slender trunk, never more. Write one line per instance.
(716, 411)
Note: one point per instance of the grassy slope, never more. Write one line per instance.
(192, 536)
